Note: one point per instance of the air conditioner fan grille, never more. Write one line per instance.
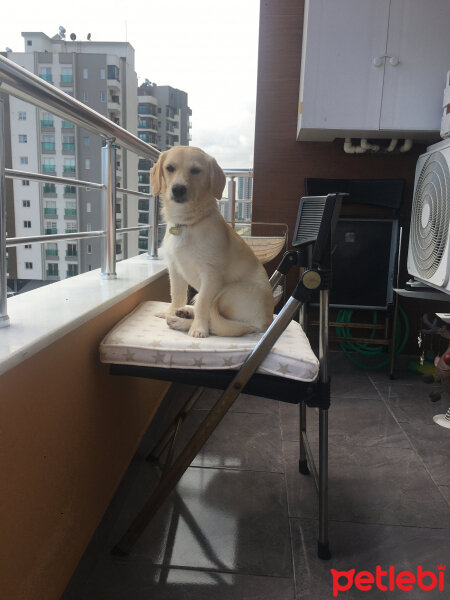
(430, 215)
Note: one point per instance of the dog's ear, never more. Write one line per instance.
(218, 179)
(156, 174)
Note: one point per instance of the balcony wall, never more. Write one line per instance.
(69, 431)
(281, 163)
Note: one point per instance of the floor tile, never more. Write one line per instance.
(432, 443)
(241, 441)
(219, 519)
(411, 402)
(360, 421)
(119, 579)
(368, 485)
(363, 547)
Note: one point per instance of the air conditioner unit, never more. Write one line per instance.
(429, 237)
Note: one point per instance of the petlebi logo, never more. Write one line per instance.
(388, 579)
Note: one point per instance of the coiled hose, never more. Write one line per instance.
(370, 351)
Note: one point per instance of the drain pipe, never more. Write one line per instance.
(350, 149)
(407, 145)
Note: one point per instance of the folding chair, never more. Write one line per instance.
(303, 380)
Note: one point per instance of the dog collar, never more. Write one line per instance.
(176, 229)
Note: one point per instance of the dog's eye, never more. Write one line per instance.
(170, 168)
(195, 171)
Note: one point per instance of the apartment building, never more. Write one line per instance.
(243, 206)
(163, 122)
(102, 75)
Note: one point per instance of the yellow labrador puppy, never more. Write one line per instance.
(234, 295)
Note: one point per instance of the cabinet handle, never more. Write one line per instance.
(378, 61)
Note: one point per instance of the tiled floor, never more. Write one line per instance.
(242, 522)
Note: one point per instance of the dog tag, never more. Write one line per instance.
(175, 230)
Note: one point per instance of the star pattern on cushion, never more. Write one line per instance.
(143, 339)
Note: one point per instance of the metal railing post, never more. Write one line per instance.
(4, 319)
(109, 210)
(153, 249)
(233, 201)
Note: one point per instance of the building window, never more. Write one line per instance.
(26, 203)
(22, 116)
(29, 43)
(27, 224)
(66, 75)
(102, 73)
(102, 96)
(48, 143)
(86, 142)
(25, 182)
(52, 270)
(24, 160)
(48, 165)
(88, 207)
(88, 227)
(28, 265)
(69, 165)
(87, 163)
(23, 139)
(27, 246)
(85, 97)
(46, 74)
(113, 72)
(71, 250)
(89, 249)
(68, 143)
(85, 73)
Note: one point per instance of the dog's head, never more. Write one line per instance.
(185, 175)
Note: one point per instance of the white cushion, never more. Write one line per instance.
(143, 339)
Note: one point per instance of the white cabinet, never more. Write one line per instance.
(373, 68)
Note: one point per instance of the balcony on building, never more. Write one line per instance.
(49, 169)
(70, 213)
(67, 124)
(68, 148)
(50, 230)
(47, 124)
(147, 108)
(70, 191)
(48, 147)
(49, 190)
(113, 103)
(50, 211)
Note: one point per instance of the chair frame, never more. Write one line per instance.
(315, 275)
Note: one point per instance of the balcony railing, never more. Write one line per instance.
(67, 124)
(50, 211)
(48, 146)
(26, 86)
(49, 168)
(70, 147)
(47, 123)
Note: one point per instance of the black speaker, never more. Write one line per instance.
(363, 263)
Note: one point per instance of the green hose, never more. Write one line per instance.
(345, 316)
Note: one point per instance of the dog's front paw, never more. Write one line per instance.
(198, 331)
(178, 323)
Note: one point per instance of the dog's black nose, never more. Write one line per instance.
(179, 191)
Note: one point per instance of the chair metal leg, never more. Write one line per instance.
(209, 424)
(303, 462)
(171, 431)
(323, 549)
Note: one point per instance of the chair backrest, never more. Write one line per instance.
(316, 223)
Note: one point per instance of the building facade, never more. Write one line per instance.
(164, 122)
(101, 75)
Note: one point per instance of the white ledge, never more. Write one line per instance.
(41, 316)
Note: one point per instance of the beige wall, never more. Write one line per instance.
(68, 433)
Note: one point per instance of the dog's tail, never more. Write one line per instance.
(219, 325)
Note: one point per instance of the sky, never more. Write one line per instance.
(207, 48)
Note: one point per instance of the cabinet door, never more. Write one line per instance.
(419, 36)
(341, 88)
